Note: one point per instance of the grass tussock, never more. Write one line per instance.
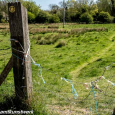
(50, 39)
(39, 37)
(46, 30)
(53, 26)
(71, 31)
(84, 30)
(60, 44)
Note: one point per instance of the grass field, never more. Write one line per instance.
(80, 53)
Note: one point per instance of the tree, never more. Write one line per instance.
(113, 7)
(54, 8)
(94, 11)
(31, 7)
(70, 10)
(31, 17)
(104, 5)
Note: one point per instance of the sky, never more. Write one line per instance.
(45, 3)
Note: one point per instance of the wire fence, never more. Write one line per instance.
(62, 101)
(60, 96)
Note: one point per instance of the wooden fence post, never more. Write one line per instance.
(18, 22)
(113, 112)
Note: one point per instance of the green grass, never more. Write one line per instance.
(82, 59)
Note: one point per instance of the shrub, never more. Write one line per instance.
(31, 17)
(86, 17)
(42, 17)
(54, 19)
(104, 17)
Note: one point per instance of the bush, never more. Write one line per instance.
(42, 17)
(104, 17)
(54, 19)
(86, 17)
(31, 17)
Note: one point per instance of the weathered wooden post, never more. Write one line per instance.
(18, 22)
(113, 112)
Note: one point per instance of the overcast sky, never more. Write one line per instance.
(45, 3)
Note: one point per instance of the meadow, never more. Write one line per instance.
(81, 53)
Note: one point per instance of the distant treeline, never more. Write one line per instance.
(80, 11)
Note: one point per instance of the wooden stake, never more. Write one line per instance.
(18, 22)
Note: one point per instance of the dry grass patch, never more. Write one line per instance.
(53, 26)
(47, 30)
(83, 30)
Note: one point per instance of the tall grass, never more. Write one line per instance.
(76, 54)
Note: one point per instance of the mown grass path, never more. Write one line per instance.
(76, 72)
